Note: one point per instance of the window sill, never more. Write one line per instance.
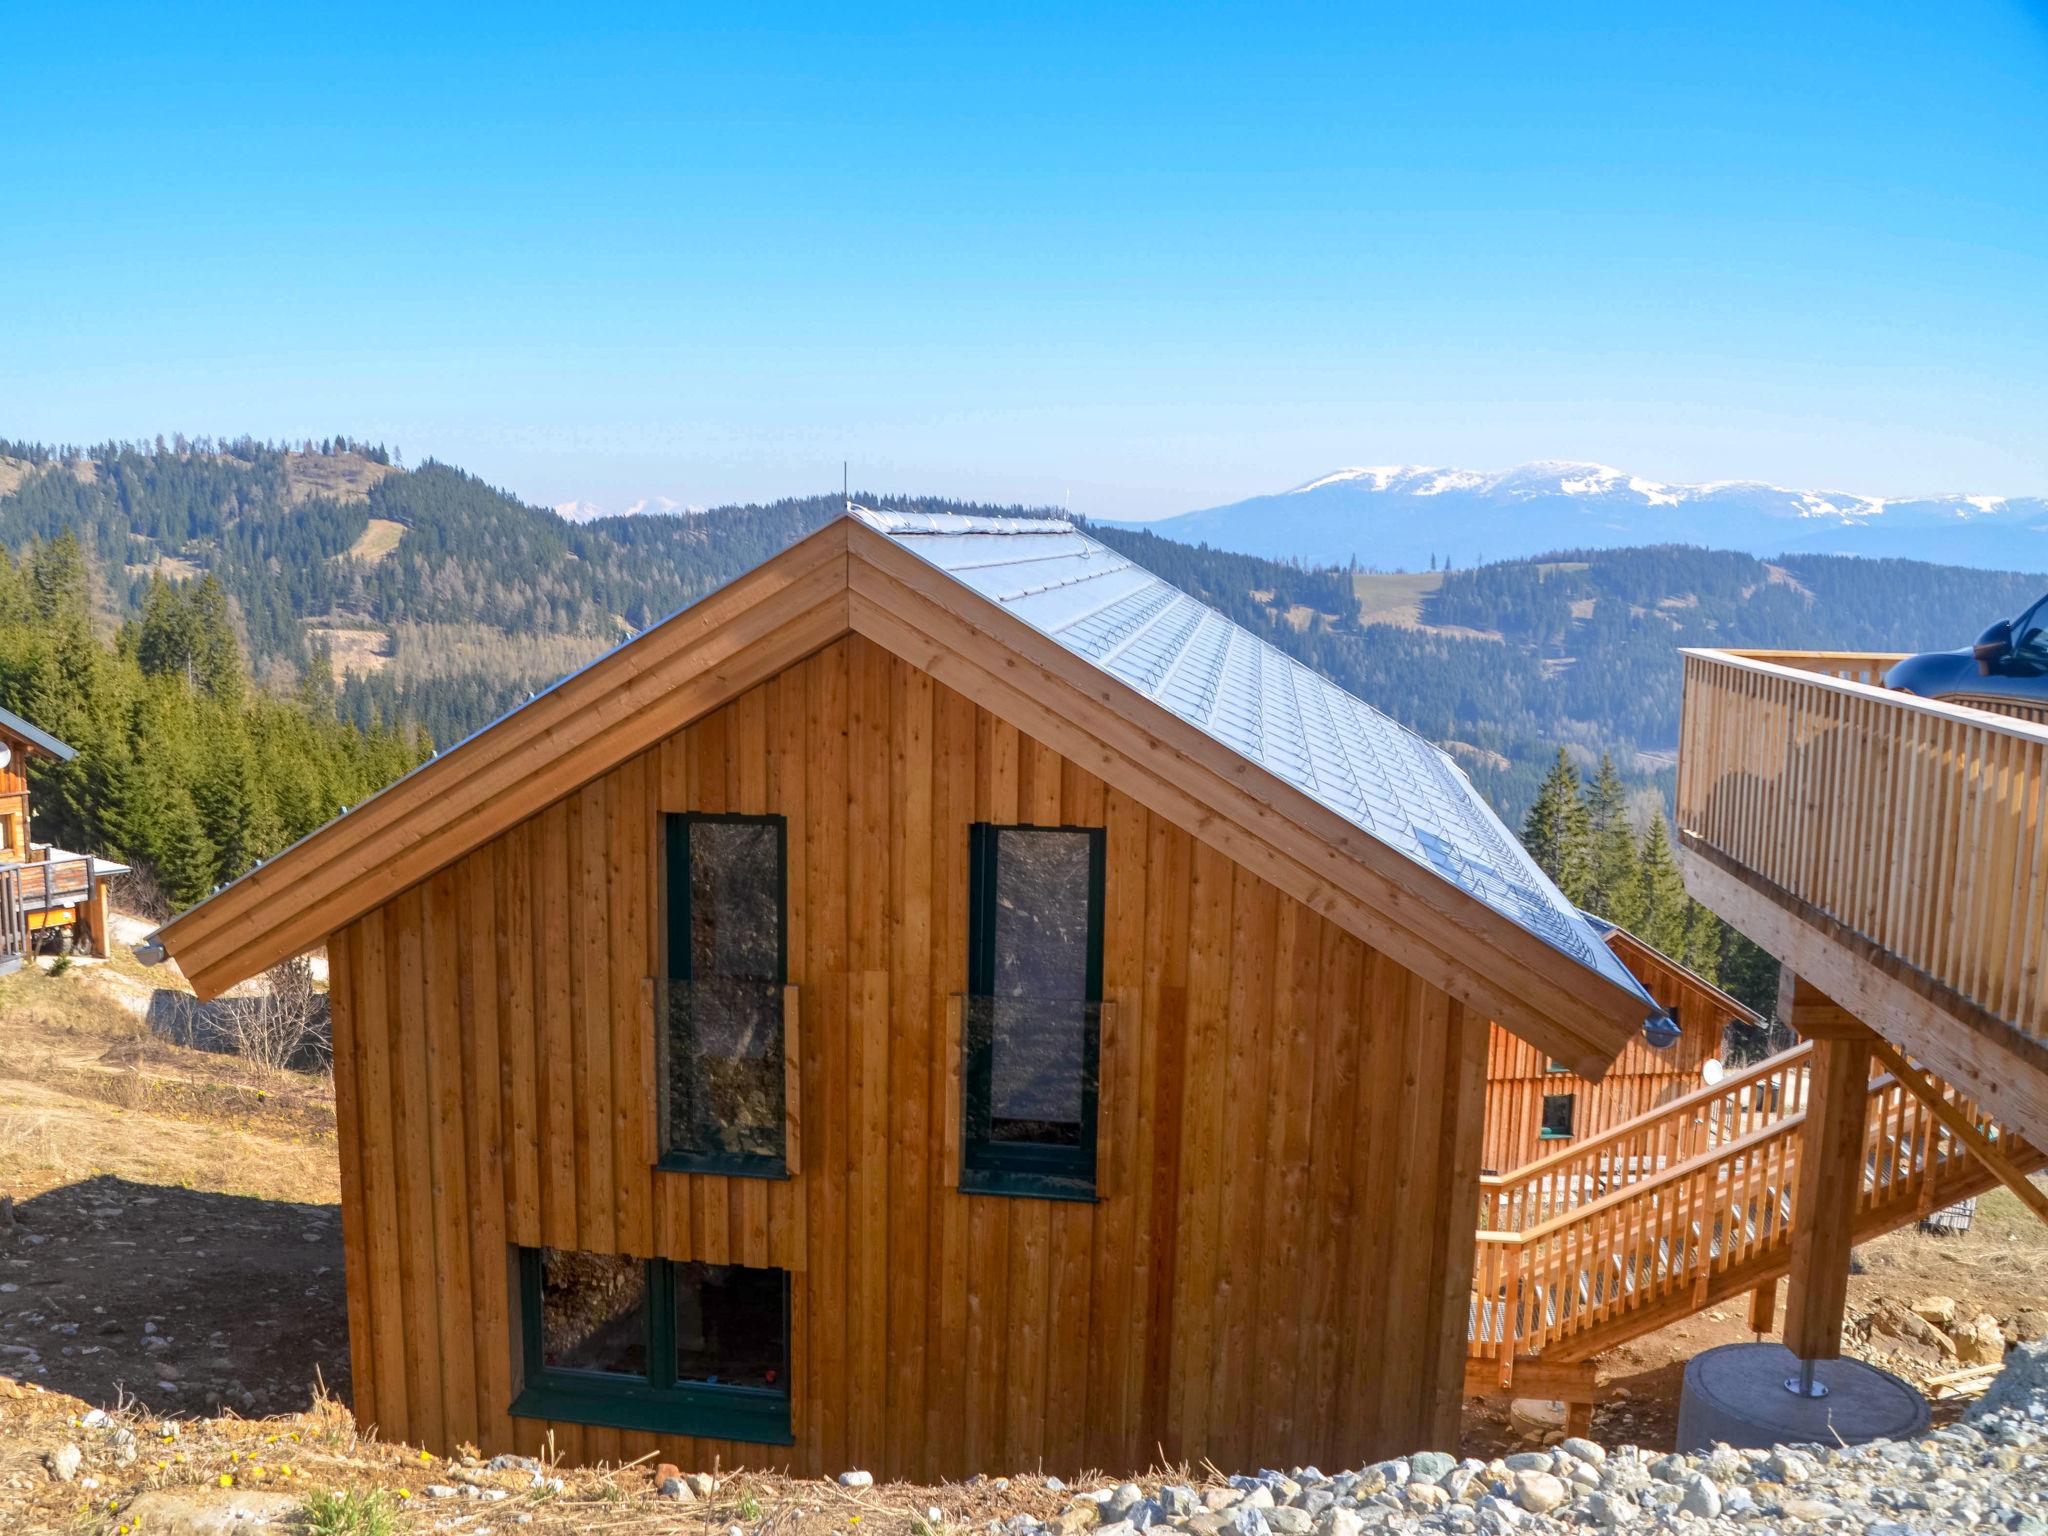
(713, 1412)
(1553, 1135)
(732, 1165)
(1028, 1186)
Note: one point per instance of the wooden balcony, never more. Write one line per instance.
(1891, 850)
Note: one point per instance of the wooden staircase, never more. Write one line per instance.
(1689, 1205)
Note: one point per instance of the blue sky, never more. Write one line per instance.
(1139, 258)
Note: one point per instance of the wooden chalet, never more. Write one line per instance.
(1537, 1106)
(41, 887)
(946, 1001)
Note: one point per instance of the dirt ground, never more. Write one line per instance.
(176, 1247)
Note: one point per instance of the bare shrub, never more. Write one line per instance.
(280, 1023)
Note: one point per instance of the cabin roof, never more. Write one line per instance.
(1257, 700)
(13, 725)
(1621, 940)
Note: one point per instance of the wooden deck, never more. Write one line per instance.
(1891, 850)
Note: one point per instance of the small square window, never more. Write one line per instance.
(721, 1027)
(1033, 1026)
(1558, 1109)
(673, 1348)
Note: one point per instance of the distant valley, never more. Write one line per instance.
(1413, 518)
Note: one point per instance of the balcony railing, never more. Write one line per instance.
(1920, 826)
(53, 882)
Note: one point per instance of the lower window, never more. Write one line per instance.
(626, 1343)
(1558, 1109)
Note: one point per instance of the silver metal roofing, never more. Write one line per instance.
(1259, 702)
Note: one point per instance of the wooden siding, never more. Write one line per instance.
(1518, 1075)
(1278, 1269)
(14, 814)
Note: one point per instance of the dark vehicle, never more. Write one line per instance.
(2008, 662)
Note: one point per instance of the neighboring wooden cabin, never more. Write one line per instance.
(909, 1011)
(1536, 1105)
(42, 887)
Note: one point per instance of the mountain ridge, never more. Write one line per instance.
(1408, 516)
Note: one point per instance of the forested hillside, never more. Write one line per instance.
(423, 603)
(182, 768)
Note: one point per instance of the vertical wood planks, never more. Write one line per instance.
(1238, 1290)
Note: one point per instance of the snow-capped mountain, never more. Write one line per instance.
(587, 511)
(1399, 517)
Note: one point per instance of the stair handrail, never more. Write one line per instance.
(1494, 1189)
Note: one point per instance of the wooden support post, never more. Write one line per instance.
(1763, 1307)
(93, 926)
(1830, 1174)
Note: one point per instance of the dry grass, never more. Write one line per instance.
(367, 651)
(86, 1089)
(324, 1460)
(378, 540)
(1395, 597)
(344, 476)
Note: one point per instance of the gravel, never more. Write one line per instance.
(1987, 1473)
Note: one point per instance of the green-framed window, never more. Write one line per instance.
(1033, 1027)
(721, 1019)
(1559, 1110)
(626, 1343)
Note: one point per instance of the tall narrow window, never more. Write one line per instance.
(693, 1349)
(721, 1021)
(1033, 1025)
(1558, 1110)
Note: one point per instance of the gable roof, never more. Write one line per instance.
(1624, 943)
(958, 601)
(13, 725)
(1257, 700)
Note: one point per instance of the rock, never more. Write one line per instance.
(1423, 1498)
(442, 1491)
(1081, 1515)
(1177, 1499)
(504, 1463)
(1585, 1450)
(1054, 1485)
(2029, 1325)
(1338, 1521)
(1122, 1500)
(209, 1512)
(675, 1488)
(1811, 1509)
(703, 1484)
(1247, 1520)
(1286, 1520)
(1430, 1466)
(1981, 1342)
(1529, 1461)
(1788, 1467)
(1938, 1310)
(63, 1462)
(1701, 1498)
(856, 1479)
(1610, 1509)
(1537, 1492)
(1215, 1499)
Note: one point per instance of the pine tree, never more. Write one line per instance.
(1558, 834)
(1616, 866)
(184, 858)
(1666, 906)
(217, 655)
